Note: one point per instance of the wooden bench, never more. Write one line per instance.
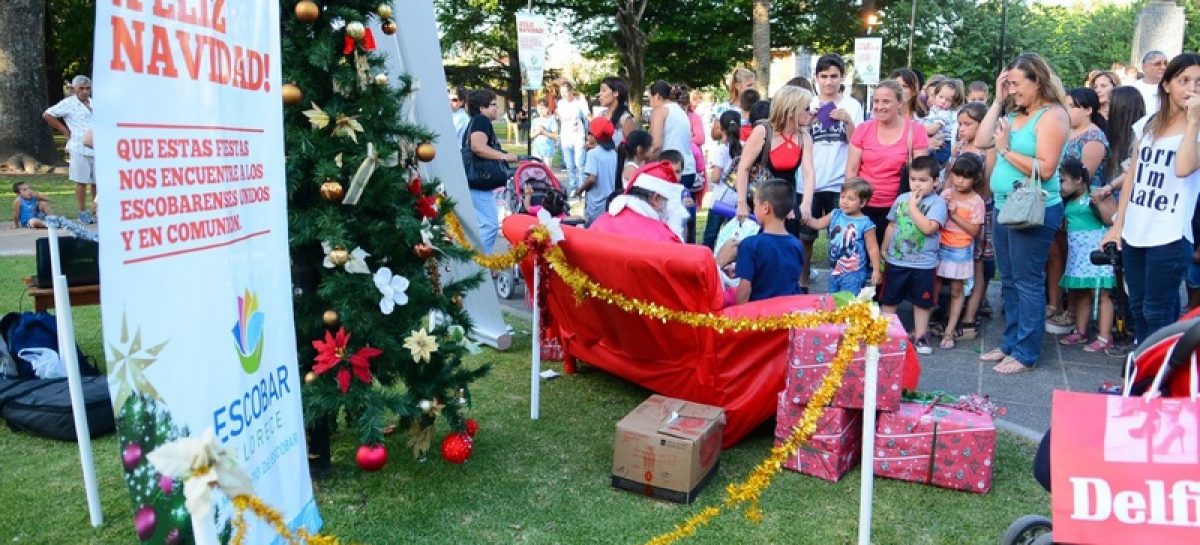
(43, 298)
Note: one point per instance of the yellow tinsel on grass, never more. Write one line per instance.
(260, 509)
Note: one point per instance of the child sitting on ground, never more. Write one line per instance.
(911, 243)
(1084, 231)
(853, 256)
(768, 264)
(30, 208)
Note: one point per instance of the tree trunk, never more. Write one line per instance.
(631, 44)
(761, 38)
(23, 82)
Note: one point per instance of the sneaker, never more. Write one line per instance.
(1099, 345)
(922, 345)
(1073, 338)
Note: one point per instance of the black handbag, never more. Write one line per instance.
(482, 174)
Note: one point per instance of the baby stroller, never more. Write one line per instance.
(1172, 346)
(538, 179)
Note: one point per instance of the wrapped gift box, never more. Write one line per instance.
(937, 445)
(810, 351)
(833, 449)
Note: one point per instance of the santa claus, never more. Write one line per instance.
(651, 207)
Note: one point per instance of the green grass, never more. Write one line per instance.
(56, 187)
(544, 481)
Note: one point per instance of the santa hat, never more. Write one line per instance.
(658, 178)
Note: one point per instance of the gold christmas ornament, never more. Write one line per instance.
(292, 95)
(307, 11)
(381, 79)
(356, 30)
(384, 11)
(309, 377)
(389, 27)
(339, 256)
(457, 300)
(330, 318)
(426, 152)
(332, 191)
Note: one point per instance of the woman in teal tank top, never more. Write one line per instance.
(1035, 130)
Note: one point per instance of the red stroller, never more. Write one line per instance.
(1177, 342)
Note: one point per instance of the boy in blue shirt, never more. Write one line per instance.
(853, 248)
(30, 208)
(599, 169)
(911, 248)
(769, 263)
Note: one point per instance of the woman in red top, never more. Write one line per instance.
(879, 150)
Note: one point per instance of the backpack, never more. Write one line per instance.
(23, 330)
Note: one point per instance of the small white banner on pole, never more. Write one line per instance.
(533, 36)
(868, 56)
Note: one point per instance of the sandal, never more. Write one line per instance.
(1073, 338)
(1010, 366)
(994, 354)
(947, 342)
(968, 330)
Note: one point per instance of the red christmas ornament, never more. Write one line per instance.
(331, 352)
(456, 447)
(145, 521)
(472, 427)
(131, 456)
(371, 457)
(426, 206)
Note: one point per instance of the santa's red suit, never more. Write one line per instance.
(632, 216)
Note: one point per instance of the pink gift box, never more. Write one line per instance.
(810, 351)
(936, 445)
(834, 448)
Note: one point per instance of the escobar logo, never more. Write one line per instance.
(248, 332)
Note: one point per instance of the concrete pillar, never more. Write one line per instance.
(1160, 27)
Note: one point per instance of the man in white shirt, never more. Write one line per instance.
(76, 112)
(572, 112)
(458, 109)
(1154, 64)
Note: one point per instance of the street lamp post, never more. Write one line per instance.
(1003, 30)
(912, 26)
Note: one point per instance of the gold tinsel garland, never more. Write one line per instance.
(494, 262)
(260, 509)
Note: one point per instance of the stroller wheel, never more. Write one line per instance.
(1027, 530)
(505, 284)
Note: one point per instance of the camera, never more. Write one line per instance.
(1109, 255)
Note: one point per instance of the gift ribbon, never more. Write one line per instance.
(358, 182)
(368, 43)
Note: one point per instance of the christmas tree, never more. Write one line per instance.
(379, 332)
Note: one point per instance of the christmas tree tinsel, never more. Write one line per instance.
(385, 223)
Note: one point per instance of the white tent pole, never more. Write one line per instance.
(535, 370)
(866, 490)
(66, 349)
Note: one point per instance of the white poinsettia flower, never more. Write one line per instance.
(358, 262)
(203, 464)
(422, 345)
(552, 224)
(427, 232)
(866, 295)
(393, 288)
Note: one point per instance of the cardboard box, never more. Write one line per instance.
(667, 448)
(810, 351)
(936, 445)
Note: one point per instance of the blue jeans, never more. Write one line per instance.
(1153, 275)
(573, 154)
(1021, 256)
(852, 281)
(488, 217)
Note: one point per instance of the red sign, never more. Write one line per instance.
(1125, 470)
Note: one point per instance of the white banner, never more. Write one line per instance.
(533, 36)
(868, 55)
(196, 289)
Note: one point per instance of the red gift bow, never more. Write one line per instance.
(368, 43)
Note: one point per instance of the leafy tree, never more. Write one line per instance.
(70, 31)
(23, 134)
(479, 39)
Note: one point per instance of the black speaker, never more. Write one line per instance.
(80, 261)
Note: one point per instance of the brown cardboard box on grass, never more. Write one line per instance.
(667, 448)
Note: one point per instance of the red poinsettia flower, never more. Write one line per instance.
(426, 206)
(332, 351)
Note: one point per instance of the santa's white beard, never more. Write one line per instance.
(676, 217)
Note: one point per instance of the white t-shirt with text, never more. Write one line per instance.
(1160, 203)
(831, 145)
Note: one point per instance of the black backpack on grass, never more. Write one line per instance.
(42, 407)
(23, 330)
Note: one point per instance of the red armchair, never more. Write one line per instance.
(742, 372)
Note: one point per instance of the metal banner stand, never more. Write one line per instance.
(866, 490)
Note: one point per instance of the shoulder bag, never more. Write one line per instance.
(482, 174)
(1026, 205)
(725, 194)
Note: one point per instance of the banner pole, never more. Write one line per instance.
(66, 349)
(535, 369)
(866, 491)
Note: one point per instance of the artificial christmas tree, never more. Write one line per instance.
(376, 327)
